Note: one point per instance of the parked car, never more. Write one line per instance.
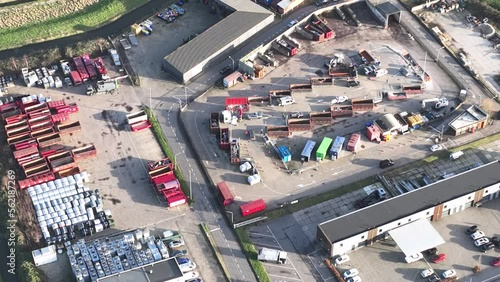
(439, 258)
(496, 241)
(471, 229)
(414, 258)
(191, 275)
(433, 278)
(339, 99)
(476, 235)
(257, 115)
(342, 259)
(353, 83)
(481, 241)
(486, 247)
(179, 253)
(431, 252)
(354, 279)
(182, 260)
(351, 273)
(426, 273)
(296, 115)
(449, 273)
(226, 70)
(176, 243)
(386, 163)
(292, 23)
(186, 267)
(404, 71)
(495, 261)
(436, 147)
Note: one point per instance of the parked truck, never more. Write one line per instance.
(102, 87)
(89, 66)
(75, 78)
(80, 67)
(65, 67)
(271, 255)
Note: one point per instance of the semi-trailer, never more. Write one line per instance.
(80, 67)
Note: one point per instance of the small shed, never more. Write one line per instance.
(468, 121)
(373, 132)
(388, 124)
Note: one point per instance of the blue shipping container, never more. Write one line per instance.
(284, 154)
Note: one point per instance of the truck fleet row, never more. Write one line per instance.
(161, 174)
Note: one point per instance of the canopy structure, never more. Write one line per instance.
(416, 237)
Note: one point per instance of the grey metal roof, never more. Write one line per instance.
(407, 204)
(387, 8)
(215, 38)
(165, 270)
(469, 117)
(245, 6)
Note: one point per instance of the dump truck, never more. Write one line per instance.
(271, 255)
(102, 87)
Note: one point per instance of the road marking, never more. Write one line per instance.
(285, 277)
(215, 229)
(260, 234)
(282, 250)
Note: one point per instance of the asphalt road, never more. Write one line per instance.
(434, 48)
(206, 207)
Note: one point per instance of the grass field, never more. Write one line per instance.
(90, 18)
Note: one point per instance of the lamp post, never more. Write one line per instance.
(232, 62)
(175, 160)
(439, 52)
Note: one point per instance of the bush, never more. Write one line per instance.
(28, 272)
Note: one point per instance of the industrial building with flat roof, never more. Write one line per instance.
(162, 271)
(432, 202)
(192, 58)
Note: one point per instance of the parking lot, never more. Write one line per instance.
(384, 261)
(119, 169)
(297, 232)
(315, 178)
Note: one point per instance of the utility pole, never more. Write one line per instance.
(150, 98)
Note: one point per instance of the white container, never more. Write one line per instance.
(85, 176)
(45, 211)
(57, 208)
(67, 222)
(39, 213)
(42, 223)
(74, 220)
(82, 202)
(62, 224)
(57, 219)
(64, 217)
(53, 215)
(54, 226)
(93, 204)
(98, 228)
(78, 178)
(50, 221)
(61, 213)
(71, 181)
(41, 218)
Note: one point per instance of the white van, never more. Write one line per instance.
(456, 155)
(283, 101)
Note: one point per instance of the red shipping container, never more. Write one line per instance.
(352, 145)
(58, 118)
(15, 119)
(25, 152)
(225, 193)
(253, 207)
(25, 144)
(55, 104)
(38, 179)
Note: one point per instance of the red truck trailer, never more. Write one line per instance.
(352, 145)
(166, 162)
(84, 152)
(89, 66)
(225, 193)
(75, 78)
(38, 179)
(100, 66)
(174, 197)
(80, 67)
(253, 207)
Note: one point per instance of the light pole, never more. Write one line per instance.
(190, 187)
(175, 160)
(439, 52)
(232, 62)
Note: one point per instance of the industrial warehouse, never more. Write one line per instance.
(364, 227)
(246, 19)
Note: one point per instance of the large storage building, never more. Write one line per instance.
(432, 202)
(247, 18)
